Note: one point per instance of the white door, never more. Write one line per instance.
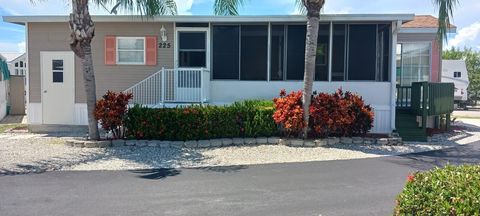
(192, 54)
(58, 87)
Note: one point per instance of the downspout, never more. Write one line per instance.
(393, 58)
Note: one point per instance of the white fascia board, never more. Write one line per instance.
(183, 18)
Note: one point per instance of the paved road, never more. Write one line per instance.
(353, 187)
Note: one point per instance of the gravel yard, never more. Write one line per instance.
(24, 153)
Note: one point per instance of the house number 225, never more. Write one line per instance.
(164, 45)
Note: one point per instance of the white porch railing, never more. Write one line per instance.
(180, 85)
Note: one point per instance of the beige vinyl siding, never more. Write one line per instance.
(55, 37)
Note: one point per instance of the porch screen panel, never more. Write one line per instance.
(254, 52)
(338, 52)
(321, 62)
(362, 52)
(295, 51)
(277, 60)
(226, 56)
(383, 50)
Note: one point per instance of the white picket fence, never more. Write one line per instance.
(180, 85)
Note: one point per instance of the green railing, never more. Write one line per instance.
(426, 99)
(404, 94)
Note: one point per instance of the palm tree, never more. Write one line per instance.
(312, 9)
(83, 30)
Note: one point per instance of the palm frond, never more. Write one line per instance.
(227, 7)
(142, 7)
(445, 14)
(300, 5)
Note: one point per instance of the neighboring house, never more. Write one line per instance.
(171, 60)
(4, 76)
(17, 63)
(456, 71)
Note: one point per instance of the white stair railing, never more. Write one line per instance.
(180, 85)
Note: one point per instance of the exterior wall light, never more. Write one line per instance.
(163, 34)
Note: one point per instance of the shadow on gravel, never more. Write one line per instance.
(466, 154)
(157, 174)
(147, 157)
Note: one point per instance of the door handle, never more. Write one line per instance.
(44, 91)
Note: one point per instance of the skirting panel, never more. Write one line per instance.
(34, 113)
(381, 120)
(81, 117)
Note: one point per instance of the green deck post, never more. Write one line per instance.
(424, 105)
(447, 122)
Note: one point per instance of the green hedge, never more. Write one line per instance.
(448, 191)
(241, 119)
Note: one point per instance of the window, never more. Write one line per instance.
(57, 71)
(415, 63)
(226, 52)
(254, 52)
(131, 50)
(277, 52)
(192, 49)
(457, 74)
(296, 51)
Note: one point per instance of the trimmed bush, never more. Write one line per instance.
(289, 112)
(241, 119)
(340, 114)
(110, 112)
(453, 190)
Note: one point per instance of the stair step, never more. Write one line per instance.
(407, 126)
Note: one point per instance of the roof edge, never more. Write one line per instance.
(188, 18)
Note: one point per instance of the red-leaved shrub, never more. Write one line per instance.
(111, 110)
(362, 114)
(330, 115)
(289, 112)
(337, 114)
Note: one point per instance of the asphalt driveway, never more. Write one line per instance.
(351, 187)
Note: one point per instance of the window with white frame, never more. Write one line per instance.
(130, 50)
(457, 74)
(415, 63)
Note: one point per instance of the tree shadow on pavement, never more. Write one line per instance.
(157, 174)
(223, 169)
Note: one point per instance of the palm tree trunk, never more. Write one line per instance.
(82, 32)
(90, 89)
(313, 16)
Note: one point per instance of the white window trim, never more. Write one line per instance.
(131, 63)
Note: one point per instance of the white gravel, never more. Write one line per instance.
(24, 152)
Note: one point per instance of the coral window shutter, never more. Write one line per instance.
(110, 50)
(151, 50)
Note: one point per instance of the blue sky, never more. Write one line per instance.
(466, 17)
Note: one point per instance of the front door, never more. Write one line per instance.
(192, 48)
(58, 87)
(192, 54)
